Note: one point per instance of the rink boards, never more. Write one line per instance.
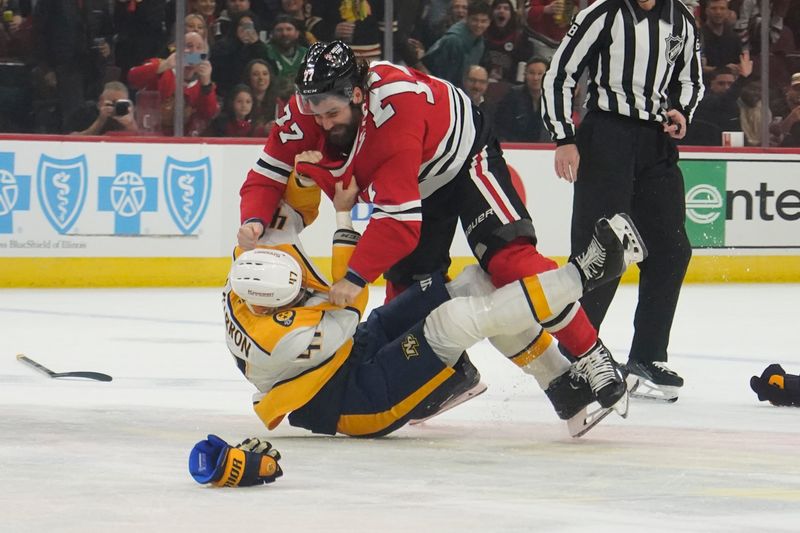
(112, 212)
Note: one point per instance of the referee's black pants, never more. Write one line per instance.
(630, 166)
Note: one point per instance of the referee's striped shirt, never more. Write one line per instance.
(640, 64)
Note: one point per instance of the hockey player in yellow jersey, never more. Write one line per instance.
(286, 338)
(318, 365)
(298, 349)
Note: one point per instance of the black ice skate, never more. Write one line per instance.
(574, 401)
(569, 393)
(464, 385)
(616, 244)
(605, 378)
(656, 381)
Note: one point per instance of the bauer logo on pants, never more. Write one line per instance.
(62, 185)
(187, 189)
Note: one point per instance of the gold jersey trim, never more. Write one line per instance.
(372, 423)
(298, 391)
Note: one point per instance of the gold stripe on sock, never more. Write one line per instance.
(534, 349)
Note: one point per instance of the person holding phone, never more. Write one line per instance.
(199, 91)
(225, 19)
(115, 113)
(231, 55)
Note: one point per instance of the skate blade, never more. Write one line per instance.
(632, 381)
(622, 405)
(623, 226)
(646, 390)
(475, 391)
(581, 423)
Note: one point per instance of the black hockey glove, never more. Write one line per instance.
(252, 462)
(776, 386)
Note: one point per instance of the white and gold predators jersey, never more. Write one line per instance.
(290, 354)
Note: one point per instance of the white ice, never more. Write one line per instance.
(88, 456)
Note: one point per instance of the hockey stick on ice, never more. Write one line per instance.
(97, 376)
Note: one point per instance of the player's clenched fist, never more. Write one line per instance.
(248, 235)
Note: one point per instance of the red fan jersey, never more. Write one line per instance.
(416, 133)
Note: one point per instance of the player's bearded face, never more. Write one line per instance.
(339, 122)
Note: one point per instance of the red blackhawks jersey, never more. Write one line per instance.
(417, 132)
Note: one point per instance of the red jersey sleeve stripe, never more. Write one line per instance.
(271, 171)
(491, 190)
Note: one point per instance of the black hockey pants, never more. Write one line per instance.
(630, 166)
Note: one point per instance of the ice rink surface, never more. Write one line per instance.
(87, 456)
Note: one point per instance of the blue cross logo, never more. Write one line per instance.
(128, 194)
(15, 192)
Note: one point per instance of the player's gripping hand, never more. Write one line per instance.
(252, 462)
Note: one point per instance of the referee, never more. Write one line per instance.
(644, 83)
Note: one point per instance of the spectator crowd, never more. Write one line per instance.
(108, 67)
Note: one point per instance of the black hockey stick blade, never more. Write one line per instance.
(97, 376)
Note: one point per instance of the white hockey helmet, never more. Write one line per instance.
(266, 278)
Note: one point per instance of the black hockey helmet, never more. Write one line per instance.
(330, 69)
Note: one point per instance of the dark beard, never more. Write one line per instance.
(343, 136)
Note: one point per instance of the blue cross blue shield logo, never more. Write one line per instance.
(187, 189)
(62, 185)
(128, 194)
(15, 192)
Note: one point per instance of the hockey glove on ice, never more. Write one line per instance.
(776, 386)
(252, 462)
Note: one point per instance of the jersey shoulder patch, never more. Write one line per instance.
(285, 318)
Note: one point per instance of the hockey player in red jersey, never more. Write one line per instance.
(426, 158)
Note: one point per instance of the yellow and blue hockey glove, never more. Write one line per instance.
(777, 387)
(252, 462)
